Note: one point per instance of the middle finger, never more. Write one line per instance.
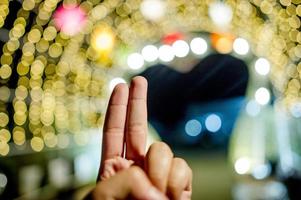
(136, 124)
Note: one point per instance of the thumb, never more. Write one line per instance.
(131, 182)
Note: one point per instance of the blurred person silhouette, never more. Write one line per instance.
(216, 77)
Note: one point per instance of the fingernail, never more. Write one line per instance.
(155, 194)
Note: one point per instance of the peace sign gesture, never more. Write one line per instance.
(126, 171)
(126, 122)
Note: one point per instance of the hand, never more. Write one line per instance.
(126, 128)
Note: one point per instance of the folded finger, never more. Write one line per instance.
(158, 162)
(179, 180)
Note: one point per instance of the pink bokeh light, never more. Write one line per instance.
(69, 19)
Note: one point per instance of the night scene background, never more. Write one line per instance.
(224, 91)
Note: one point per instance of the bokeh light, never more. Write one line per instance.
(135, 61)
(262, 96)
(261, 171)
(242, 165)
(193, 128)
(253, 108)
(150, 53)
(241, 46)
(4, 119)
(115, 81)
(223, 43)
(220, 13)
(3, 180)
(181, 48)
(153, 10)
(37, 144)
(198, 46)
(166, 53)
(296, 109)
(213, 123)
(70, 19)
(102, 39)
(262, 66)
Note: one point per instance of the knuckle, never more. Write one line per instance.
(174, 186)
(156, 174)
(179, 162)
(160, 147)
(136, 128)
(114, 130)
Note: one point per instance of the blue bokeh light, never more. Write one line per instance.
(213, 123)
(193, 127)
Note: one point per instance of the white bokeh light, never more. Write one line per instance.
(193, 128)
(296, 110)
(150, 53)
(153, 10)
(220, 13)
(262, 96)
(181, 48)
(3, 181)
(262, 66)
(166, 53)
(213, 123)
(261, 171)
(114, 82)
(253, 108)
(135, 61)
(241, 46)
(242, 165)
(198, 46)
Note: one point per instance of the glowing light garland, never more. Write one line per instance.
(62, 77)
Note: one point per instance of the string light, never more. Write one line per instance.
(135, 61)
(262, 66)
(166, 53)
(198, 46)
(220, 13)
(153, 10)
(70, 19)
(150, 53)
(262, 96)
(240, 46)
(102, 39)
(180, 48)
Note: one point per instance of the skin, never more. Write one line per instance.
(135, 173)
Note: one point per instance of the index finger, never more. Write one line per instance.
(136, 125)
(113, 135)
